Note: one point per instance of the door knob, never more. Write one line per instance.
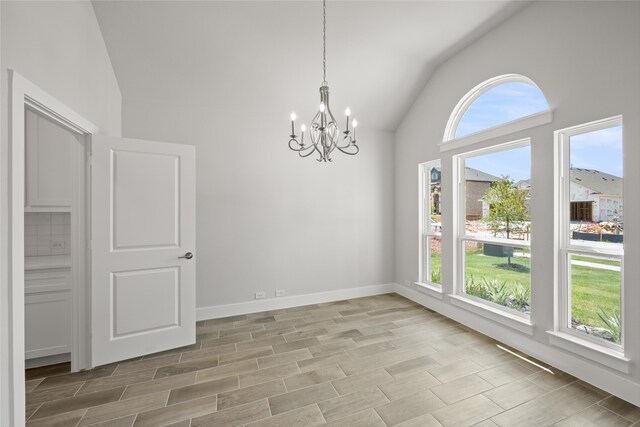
(188, 255)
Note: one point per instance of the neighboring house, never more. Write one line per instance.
(595, 196)
(524, 184)
(435, 190)
(477, 184)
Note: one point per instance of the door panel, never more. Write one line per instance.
(154, 178)
(133, 290)
(143, 220)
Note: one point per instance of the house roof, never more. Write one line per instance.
(472, 174)
(599, 182)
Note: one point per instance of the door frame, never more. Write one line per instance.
(23, 93)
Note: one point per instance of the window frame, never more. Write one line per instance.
(568, 247)
(425, 233)
(490, 309)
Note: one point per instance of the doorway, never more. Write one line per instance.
(25, 96)
(54, 212)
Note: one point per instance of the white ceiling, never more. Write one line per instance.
(233, 56)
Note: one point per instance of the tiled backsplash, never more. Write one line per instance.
(47, 233)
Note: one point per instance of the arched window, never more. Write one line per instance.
(495, 102)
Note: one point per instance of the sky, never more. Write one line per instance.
(600, 150)
(501, 104)
(514, 163)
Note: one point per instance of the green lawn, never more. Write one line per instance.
(592, 288)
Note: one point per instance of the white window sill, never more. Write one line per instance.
(500, 316)
(430, 289)
(603, 355)
(514, 126)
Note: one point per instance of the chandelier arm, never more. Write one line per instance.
(348, 141)
(348, 153)
(293, 147)
(311, 149)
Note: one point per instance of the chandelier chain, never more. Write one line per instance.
(324, 42)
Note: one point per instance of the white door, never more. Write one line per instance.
(143, 240)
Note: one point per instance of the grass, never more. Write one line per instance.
(593, 289)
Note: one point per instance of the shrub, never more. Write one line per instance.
(521, 295)
(512, 295)
(499, 292)
(613, 322)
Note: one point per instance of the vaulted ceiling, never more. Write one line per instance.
(229, 56)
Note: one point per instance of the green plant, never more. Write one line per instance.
(436, 275)
(613, 322)
(499, 292)
(475, 288)
(521, 296)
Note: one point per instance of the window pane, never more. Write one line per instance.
(595, 296)
(433, 200)
(497, 188)
(501, 104)
(499, 274)
(435, 260)
(595, 188)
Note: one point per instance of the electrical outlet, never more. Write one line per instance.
(261, 295)
(407, 283)
(280, 292)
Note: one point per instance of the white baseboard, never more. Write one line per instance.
(217, 311)
(583, 369)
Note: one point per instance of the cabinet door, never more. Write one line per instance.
(47, 312)
(47, 324)
(50, 156)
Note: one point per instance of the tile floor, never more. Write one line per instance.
(376, 361)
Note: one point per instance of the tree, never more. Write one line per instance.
(508, 208)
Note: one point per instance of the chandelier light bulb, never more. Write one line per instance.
(347, 112)
(355, 123)
(322, 107)
(293, 116)
(303, 128)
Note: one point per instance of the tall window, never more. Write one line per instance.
(430, 223)
(494, 229)
(592, 231)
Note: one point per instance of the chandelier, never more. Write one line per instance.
(324, 131)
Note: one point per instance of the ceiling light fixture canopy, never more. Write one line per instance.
(325, 132)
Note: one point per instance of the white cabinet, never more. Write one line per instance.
(50, 154)
(47, 313)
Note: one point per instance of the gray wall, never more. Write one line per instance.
(585, 56)
(269, 220)
(59, 47)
